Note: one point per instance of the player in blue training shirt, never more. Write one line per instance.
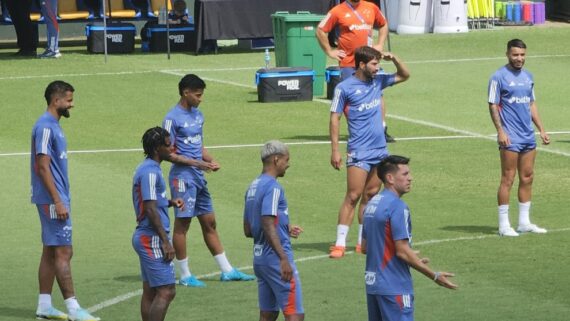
(190, 159)
(266, 220)
(151, 237)
(513, 110)
(50, 193)
(386, 240)
(359, 99)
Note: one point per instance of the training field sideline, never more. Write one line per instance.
(439, 117)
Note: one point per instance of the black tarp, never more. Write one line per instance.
(246, 19)
(558, 10)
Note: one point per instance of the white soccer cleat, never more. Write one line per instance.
(531, 228)
(507, 231)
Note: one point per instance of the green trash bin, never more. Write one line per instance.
(297, 46)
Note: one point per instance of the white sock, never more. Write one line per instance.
(44, 302)
(183, 268)
(341, 233)
(383, 124)
(524, 213)
(223, 262)
(504, 216)
(72, 305)
(359, 234)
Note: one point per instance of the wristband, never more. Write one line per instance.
(436, 276)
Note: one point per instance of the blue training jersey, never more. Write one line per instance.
(185, 128)
(149, 185)
(48, 139)
(513, 92)
(361, 103)
(265, 196)
(386, 220)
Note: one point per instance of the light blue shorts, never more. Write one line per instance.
(197, 199)
(390, 307)
(520, 148)
(55, 232)
(276, 294)
(154, 269)
(366, 159)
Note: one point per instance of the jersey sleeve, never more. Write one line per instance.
(148, 183)
(270, 200)
(386, 80)
(43, 140)
(494, 90)
(329, 22)
(399, 222)
(338, 101)
(379, 20)
(169, 123)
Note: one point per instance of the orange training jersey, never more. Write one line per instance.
(353, 32)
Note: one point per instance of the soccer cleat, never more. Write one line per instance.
(531, 228)
(236, 275)
(50, 314)
(50, 54)
(192, 281)
(507, 231)
(358, 249)
(336, 252)
(82, 315)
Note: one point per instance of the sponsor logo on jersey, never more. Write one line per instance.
(519, 100)
(370, 278)
(347, 15)
(196, 139)
(63, 155)
(370, 105)
(363, 26)
(292, 84)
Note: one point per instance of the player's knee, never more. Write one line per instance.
(507, 180)
(166, 293)
(353, 197)
(527, 178)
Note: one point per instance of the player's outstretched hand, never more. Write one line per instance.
(286, 270)
(442, 280)
(295, 231)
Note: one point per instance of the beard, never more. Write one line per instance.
(64, 113)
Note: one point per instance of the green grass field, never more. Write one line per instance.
(440, 118)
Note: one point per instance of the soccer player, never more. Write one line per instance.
(387, 240)
(190, 159)
(513, 110)
(50, 193)
(151, 237)
(266, 220)
(358, 98)
(354, 20)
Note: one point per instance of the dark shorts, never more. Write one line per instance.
(276, 294)
(366, 159)
(55, 232)
(197, 199)
(390, 307)
(154, 269)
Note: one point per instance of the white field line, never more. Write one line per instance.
(435, 61)
(323, 142)
(126, 296)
